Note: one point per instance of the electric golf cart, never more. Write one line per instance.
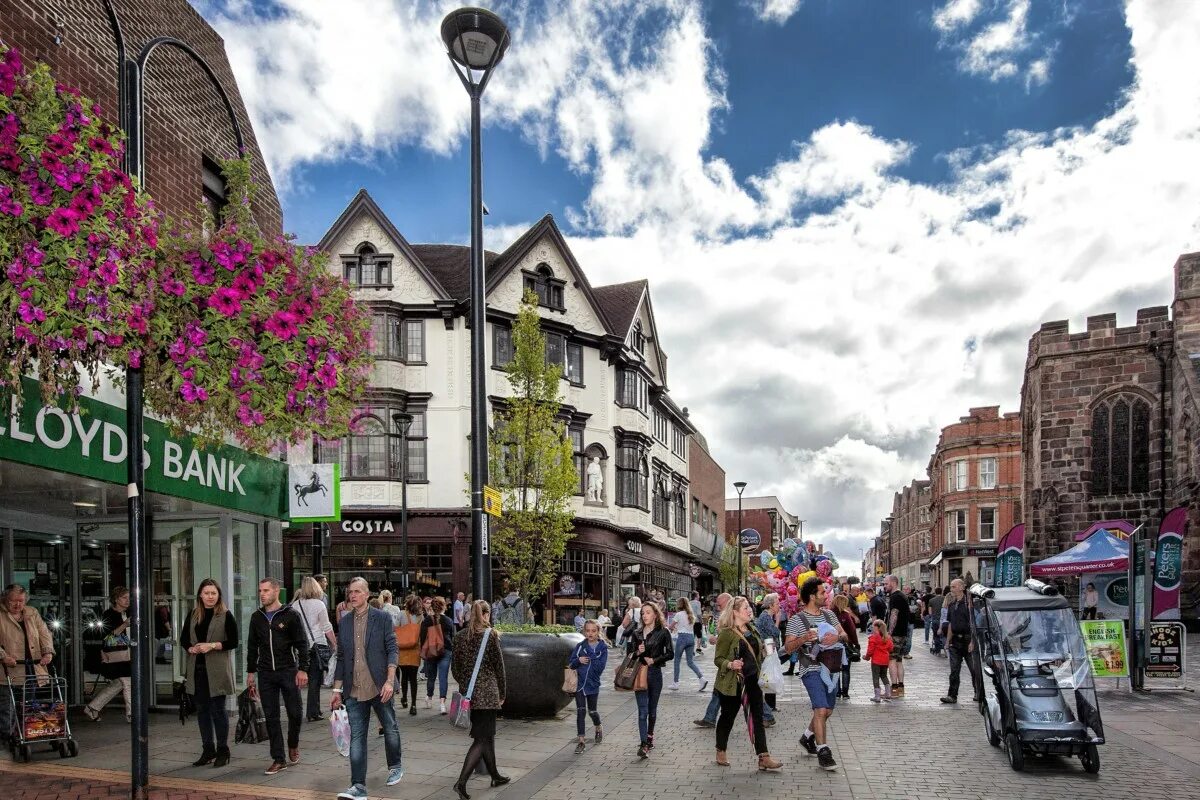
(1039, 691)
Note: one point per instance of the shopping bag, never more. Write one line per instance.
(339, 725)
(770, 678)
(329, 672)
(570, 681)
(460, 711)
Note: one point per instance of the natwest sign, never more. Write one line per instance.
(367, 526)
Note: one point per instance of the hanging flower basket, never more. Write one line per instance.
(76, 237)
(255, 336)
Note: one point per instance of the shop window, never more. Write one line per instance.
(1120, 446)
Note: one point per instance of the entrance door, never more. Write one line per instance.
(42, 564)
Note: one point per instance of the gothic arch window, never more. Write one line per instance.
(1120, 446)
(550, 290)
(366, 266)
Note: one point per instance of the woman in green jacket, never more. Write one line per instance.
(739, 656)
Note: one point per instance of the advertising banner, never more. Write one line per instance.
(315, 492)
(1105, 642)
(1166, 654)
(1112, 591)
(1168, 564)
(1010, 563)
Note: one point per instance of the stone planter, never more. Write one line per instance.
(533, 665)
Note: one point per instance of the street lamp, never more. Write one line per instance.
(402, 421)
(741, 487)
(475, 42)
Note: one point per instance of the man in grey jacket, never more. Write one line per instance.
(366, 672)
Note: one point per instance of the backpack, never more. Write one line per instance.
(435, 642)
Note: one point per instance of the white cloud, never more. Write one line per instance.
(956, 14)
(777, 11)
(1001, 49)
(819, 352)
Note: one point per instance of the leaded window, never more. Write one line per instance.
(1121, 446)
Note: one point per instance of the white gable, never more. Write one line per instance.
(408, 284)
(579, 311)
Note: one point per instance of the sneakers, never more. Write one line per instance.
(825, 760)
(442, 709)
(948, 699)
(599, 736)
(809, 744)
(355, 792)
(674, 687)
(703, 686)
(429, 702)
(294, 755)
(275, 768)
(579, 748)
(703, 723)
(394, 776)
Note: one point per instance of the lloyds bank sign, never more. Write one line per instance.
(93, 444)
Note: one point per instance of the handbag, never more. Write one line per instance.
(115, 649)
(318, 650)
(855, 652)
(831, 660)
(571, 678)
(460, 716)
(187, 704)
(641, 678)
(625, 675)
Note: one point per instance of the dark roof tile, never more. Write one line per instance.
(619, 302)
(451, 265)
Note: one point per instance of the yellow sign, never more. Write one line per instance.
(492, 504)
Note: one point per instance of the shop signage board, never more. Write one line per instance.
(93, 444)
(749, 539)
(314, 492)
(1166, 655)
(1105, 642)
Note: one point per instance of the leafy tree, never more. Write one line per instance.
(729, 567)
(531, 463)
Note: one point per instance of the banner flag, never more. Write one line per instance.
(1010, 561)
(1168, 564)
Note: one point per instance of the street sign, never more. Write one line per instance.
(694, 570)
(492, 503)
(749, 540)
(1165, 655)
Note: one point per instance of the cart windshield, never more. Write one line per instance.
(1048, 635)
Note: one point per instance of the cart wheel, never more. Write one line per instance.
(1016, 756)
(1091, 759)
(72, 748)
(992, 737)
(61, 747)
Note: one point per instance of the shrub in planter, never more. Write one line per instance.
(534, 658)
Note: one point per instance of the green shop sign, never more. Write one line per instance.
(93, 444)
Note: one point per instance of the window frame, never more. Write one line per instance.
(979, 521)
(956, 475)
(501, 332)
(956, 526)
(995, 472)
(550, 291)
(344, 450)
(381, 264)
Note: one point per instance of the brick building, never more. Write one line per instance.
(708, 533)
(1108, 416)
(766, 515)
(975, 493)
(187, 127)
(911, 533)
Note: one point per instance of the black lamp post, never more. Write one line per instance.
(402, 421)
(475, 42)
(741, 487)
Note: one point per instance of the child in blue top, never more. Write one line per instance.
(588, 659)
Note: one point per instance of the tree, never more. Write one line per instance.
(531, 463)
(729, 566)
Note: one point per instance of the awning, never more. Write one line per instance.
(1103, 551)
(933, 562)
(1119, 527)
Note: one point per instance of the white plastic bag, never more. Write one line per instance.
(771, 677)
(339, 725)
(328, 682)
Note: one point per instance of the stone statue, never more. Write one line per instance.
(595, 480)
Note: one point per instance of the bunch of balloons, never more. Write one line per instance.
(786, 571)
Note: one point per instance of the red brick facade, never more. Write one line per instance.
(975, 492)
(706, 479)
(185, 120)
(1071, 379)
(910, 536)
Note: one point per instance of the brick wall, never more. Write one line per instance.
(910, 519)
(1183, 475)
(706, 481)
(185, 119)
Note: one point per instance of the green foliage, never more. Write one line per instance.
(728, 569)
(535, 629)
(531, 464)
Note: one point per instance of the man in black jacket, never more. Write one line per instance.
(959, 643)
(277, 650)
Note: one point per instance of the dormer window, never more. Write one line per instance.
(639, 338)
(550, 290)
(366, 267)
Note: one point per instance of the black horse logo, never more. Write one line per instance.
(312, 487)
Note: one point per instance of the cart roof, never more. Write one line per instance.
(1019, 598)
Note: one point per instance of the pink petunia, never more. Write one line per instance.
(226, 302)
(283, 325)
(63, 221)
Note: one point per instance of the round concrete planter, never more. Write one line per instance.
(533, 666)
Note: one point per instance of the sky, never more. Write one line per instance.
(853, 214)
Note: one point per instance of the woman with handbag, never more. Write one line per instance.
(652, 644)
(436, 642)
(738, 658)
(587, 663)
(114, 657)
(631, 622)
(841, 609)
(209, 636)
(322, 641)
(408, 635)
(482, 675)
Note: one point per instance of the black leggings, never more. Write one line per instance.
(408, 683)
(731, 705)
(581, 713)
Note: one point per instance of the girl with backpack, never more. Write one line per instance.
(588, 660)
(879, 653)
(436, 643)
(408, 637)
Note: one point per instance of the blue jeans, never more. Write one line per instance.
(714, 707)
(439, 669)
(359, 713)
(928, 627)
(647, 703)
(908, 643)
(685, 645)
(584, 705)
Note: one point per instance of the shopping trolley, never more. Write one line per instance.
(39, 704)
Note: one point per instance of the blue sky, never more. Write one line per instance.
(853, 214)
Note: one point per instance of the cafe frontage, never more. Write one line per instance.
(64, 535)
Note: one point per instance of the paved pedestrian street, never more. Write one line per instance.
(911, 748)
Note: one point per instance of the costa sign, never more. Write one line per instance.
(367, 526)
